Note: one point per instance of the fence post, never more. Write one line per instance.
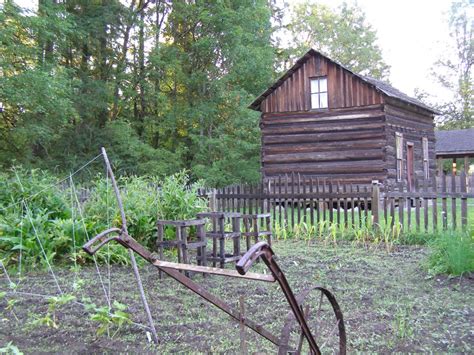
(212, 200)
(375, 203)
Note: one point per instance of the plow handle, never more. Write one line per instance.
(93, 245)
(249, 258)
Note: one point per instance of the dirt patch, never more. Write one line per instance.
(389, 304)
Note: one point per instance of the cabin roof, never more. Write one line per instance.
(379, 85)
(457, 142)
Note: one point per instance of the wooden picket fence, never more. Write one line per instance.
(443, 203)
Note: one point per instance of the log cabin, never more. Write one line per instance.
(322, 120)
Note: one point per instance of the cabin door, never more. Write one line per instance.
(410, 166)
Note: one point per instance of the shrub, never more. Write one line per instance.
(179, 200)
(451, 253)
(140, 203)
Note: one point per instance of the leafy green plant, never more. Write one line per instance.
(179, 200)
(116, 317)
(451, 253)
(10, 348)
(54, 302)
(402, 323)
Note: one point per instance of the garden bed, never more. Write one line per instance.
(389, 303)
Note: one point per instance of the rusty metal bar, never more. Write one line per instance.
(212, 270)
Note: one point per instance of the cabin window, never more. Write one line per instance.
(399, 154)
(426, 165)
(319, 92)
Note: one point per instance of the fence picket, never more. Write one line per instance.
(453, 201)
(463, 201)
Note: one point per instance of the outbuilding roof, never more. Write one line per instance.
(457, 142)
(379, 85)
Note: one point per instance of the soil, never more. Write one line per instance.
(389, 301)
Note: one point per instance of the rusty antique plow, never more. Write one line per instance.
(315, 320)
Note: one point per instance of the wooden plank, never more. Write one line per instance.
(353, 223)
(453, 201)
(299, 201)
(330, 202)
(435, 205)
(325, 204)
(346, 222)
(417, 207)
(293, 200)
(286, 202)
(311, 206)
(463, 200)
(359, 206)
(280, 202)
(401, 204)
(366, 206)
(444, 204)
(318, 203)
(338, 203)
(272, 200)
(392, 211)
(425, 206)
(239, 200)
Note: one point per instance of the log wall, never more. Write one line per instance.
(345, 145)
(414, 126)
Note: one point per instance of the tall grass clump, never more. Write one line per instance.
(451, 253)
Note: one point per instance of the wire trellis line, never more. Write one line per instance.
(52, 185)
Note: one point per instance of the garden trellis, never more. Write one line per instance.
(28, 219)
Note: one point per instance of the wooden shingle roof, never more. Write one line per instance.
(457, 142)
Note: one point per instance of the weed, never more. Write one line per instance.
(402, 324)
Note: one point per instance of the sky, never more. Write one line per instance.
(413, 35)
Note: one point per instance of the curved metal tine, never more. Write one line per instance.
(101, 238)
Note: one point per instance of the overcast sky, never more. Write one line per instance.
(412, 34)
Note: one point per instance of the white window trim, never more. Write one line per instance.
(399, 155)
(318, 93)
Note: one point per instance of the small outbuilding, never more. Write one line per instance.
(455, 145)
(322, 120)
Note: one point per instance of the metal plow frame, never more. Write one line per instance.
(260, 250)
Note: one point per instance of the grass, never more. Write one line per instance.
(451, 253)
(390, 304)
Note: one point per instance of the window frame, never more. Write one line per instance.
(399, 155)
(318, 93)
(426, 158)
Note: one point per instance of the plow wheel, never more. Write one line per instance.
(324, 318)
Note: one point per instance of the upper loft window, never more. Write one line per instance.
(319, 92)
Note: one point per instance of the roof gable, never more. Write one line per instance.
(374, 84)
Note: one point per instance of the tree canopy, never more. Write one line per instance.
(166, 84)
(455, 73)
(343, 34)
